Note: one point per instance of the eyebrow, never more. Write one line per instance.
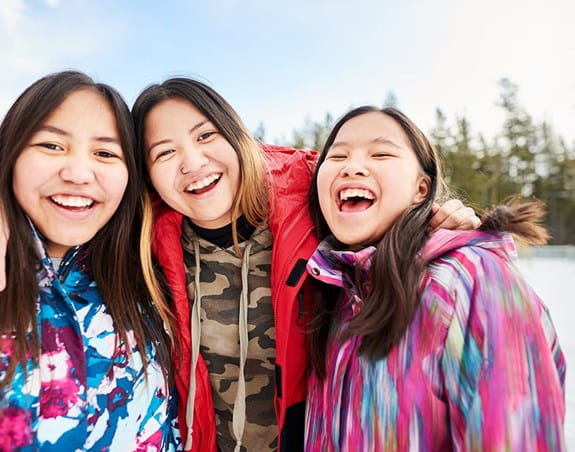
(378, 140)
(58, 131)
(167, 140)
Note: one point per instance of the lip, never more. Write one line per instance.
(214, 175)
(207, 194)
(73, 213)
(352, 186)
(72, 200)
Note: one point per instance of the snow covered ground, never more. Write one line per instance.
(552, 278)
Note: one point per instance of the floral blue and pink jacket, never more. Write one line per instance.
(86, 392)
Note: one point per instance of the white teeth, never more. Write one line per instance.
(203, 182)
(72, 201)
(347, 193)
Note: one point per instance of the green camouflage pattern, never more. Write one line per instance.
(221, 285)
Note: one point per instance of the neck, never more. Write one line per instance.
(223, 236)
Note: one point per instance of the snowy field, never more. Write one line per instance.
(551, 277)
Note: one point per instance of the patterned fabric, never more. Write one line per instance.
(220, 293)
(87, 393)
(294, 242)
(479, 368)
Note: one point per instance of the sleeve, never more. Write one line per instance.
(503, 370)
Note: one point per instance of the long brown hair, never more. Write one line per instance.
(251, 198)
(397, 266)
(113, 259)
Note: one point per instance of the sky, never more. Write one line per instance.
(280, 63)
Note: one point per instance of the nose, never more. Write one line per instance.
(78, 169)
(193, 160)
(354, 167)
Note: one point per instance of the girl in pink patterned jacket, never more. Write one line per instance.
(421, 343)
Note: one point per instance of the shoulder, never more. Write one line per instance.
(283, 160)
(461, 256)
(290, 172)
(478, 276)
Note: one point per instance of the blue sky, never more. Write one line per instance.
(283, 62)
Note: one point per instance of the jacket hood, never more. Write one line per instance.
(444, 241)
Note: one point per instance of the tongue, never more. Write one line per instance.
(355, 205)
(199, 191)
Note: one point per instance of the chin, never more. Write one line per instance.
(351, 242)
(356, 244)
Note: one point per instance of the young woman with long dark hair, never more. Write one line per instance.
(421, 342)
(84, 344)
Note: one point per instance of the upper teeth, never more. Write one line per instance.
(203, 182)
(72, 201)
(347, 193)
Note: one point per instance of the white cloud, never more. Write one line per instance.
(37, 41)
(11, 12)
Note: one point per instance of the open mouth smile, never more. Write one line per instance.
(203, 185)
(75, 203)
(355, 199)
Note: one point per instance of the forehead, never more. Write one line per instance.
(170, 117)
(84, 110)
(169, 108)
(83, 99)
(372, 126)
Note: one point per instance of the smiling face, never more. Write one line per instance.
(192, 166)
(70, 177)
(369, 177)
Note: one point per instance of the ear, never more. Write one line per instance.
(423, 183)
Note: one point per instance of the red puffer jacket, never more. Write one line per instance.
(294, 242)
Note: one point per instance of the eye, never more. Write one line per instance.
(204, 136)
(162, 155)
(336, 157)
(104, 153)
(51, 146)
(381, 154)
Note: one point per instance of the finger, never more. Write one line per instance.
(468, 219)
(444, 213)
(431, 224)
(461, 219)
(476, 222)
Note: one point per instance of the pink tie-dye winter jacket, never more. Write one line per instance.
(479, 369)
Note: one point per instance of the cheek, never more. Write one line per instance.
(324, 181)
(235, 173)
(120, 181)
(399, 182)
(323, 192)
(162, 179)
(229, 159)
(25, 175)
(113, 182)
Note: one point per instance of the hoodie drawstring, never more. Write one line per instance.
(196, 334)
(239, 413)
